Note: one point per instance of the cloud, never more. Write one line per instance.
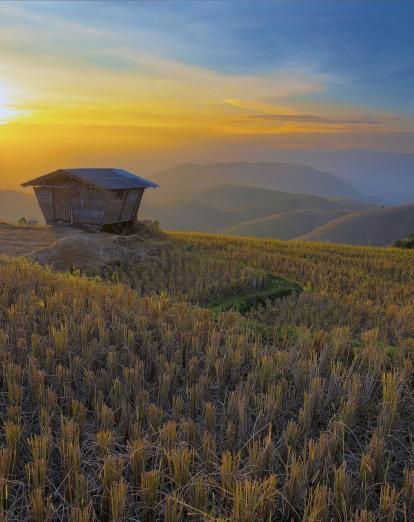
(70, 86)
(61, 59)
(329, 120)
(68, 72)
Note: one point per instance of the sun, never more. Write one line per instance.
(8, 111)
(6, 114)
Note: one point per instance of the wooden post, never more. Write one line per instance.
(137, 204)
(123, 206)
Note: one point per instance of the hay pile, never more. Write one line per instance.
(83, 250)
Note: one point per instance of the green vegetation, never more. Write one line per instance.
(124, 399)
(405, 243)
(273, 288)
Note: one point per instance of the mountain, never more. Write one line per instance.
(15, 204)
(224, 208)
(386, 177)
(380, 227)
(188, 179)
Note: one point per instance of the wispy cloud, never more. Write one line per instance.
(64, 70)
(149, 88)
(329, 120)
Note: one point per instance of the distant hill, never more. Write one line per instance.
(15, 204)
(225, 208)
(260, 202)
(187, 215)
(287, 225)
(386, 176)
(379, 227)
(187, 179)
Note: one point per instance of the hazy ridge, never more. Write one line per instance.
(186, 179)
(270, 200)
(228, 207)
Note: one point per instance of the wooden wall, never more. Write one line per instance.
(85, 205)
(122, 205)
(45, 199)
(88, 205)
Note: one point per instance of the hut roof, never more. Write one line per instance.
(104, 178)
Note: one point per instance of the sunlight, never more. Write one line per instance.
(7, 107)
(6, 114)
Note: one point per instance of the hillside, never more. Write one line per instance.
(379, 227)
(224, 206)
(286, 225)
(123, 401)
(190, 214)
(259, 201)
(187, 179)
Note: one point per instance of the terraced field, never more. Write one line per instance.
(125, 398)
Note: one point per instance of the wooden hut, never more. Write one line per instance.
(95, 197)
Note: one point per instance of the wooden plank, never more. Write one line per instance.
(63, 205)
(138, 203)
(113, 207)
(45, 200)
(123, 205)
(88, 206)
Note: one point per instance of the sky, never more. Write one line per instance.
(146, 85)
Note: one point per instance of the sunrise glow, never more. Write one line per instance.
(195, 82)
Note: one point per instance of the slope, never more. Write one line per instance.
(286, 225)
(378, 227)
(123, 405)
(226, 206)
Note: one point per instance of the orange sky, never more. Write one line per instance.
(146, 109)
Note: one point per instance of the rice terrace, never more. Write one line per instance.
(206, 261)
(124, 398)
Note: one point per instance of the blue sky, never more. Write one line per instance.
(367, 46)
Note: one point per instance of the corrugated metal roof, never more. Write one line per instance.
(104, 178)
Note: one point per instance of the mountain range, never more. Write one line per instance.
(271, 200)
(387, 177)
(184, 180)
(242, 210)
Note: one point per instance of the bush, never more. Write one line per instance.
(405, 243)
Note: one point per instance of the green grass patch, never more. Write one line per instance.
(274, 288)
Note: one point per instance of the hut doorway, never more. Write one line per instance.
(63, 205)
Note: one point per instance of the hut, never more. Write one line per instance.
(94, 197)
